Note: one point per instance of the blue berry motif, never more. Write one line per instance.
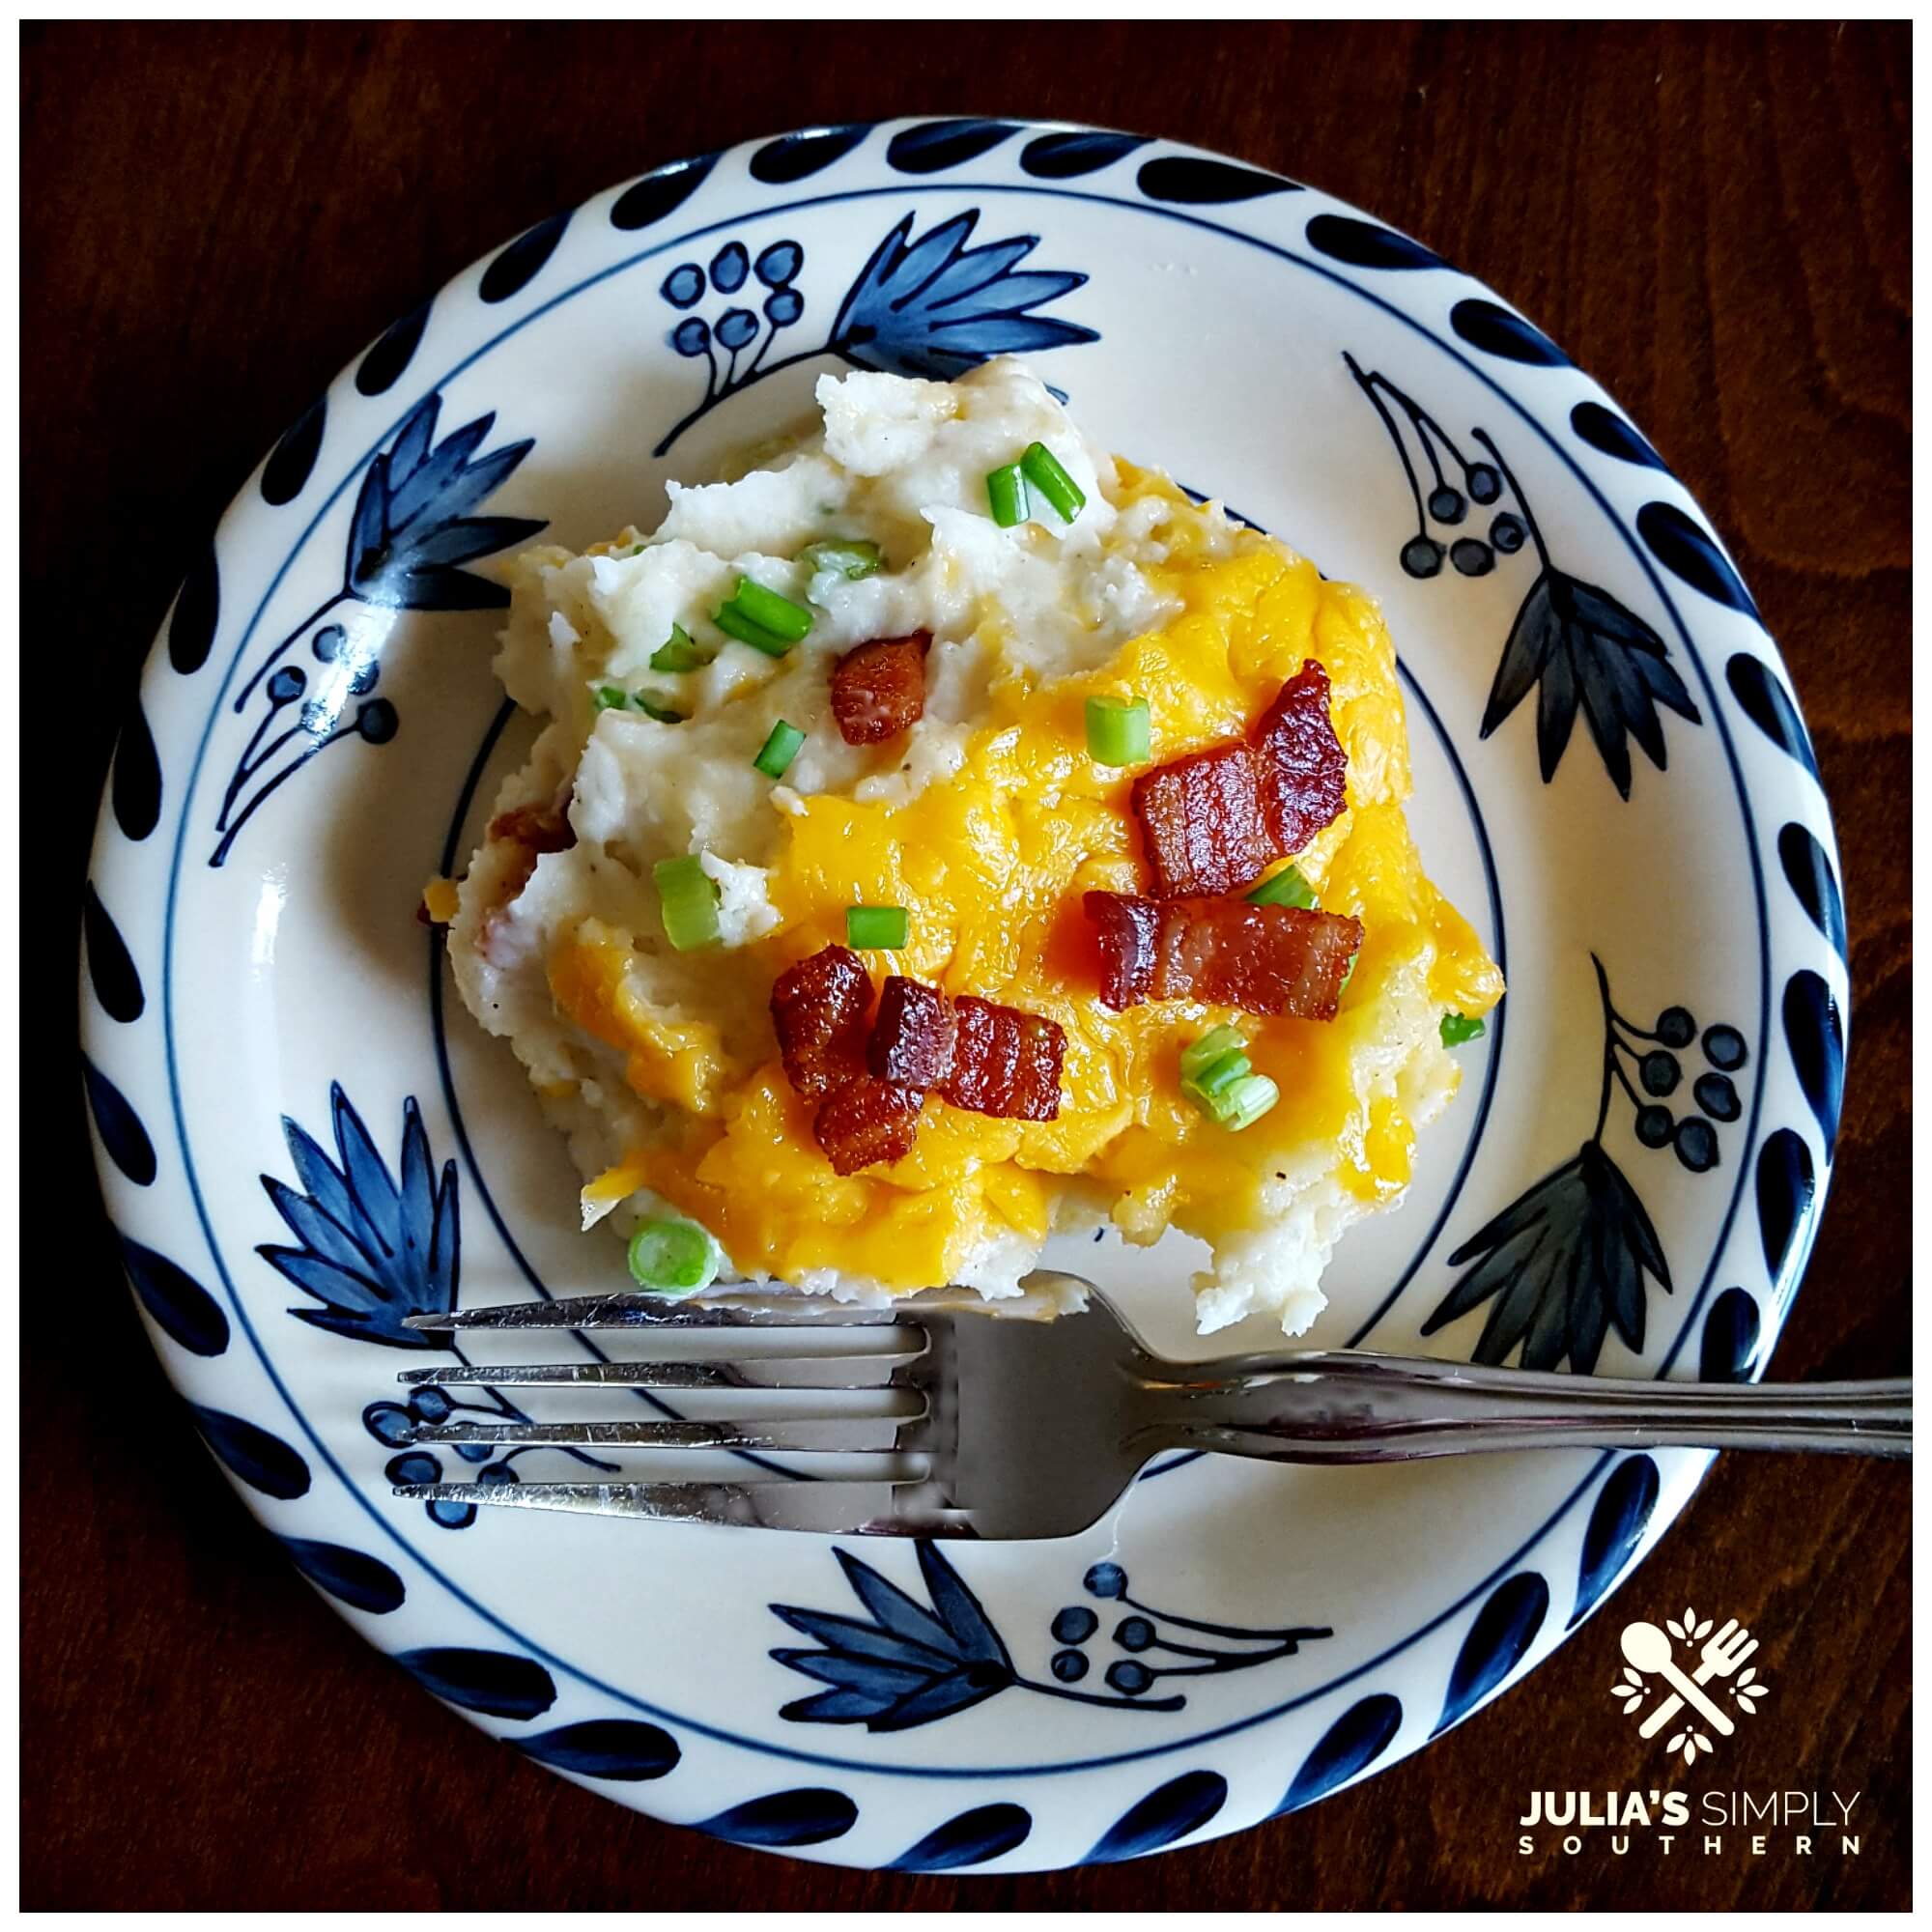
(411, 529)
(1566, 1261)
(1573, 641)
(923, 305)
(909, 1662)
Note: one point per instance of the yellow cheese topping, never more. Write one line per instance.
(992, 865)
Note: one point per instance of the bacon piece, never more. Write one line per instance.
(1273, 959)
(912, 1037)
(1130, 929)
(1216, 820)
(819, 1011)
(1203, 819)
(543, 828)
(879, 689)
(866, 1121)
(1304, 768)
(1004, 1062)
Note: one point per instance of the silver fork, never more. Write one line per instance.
(1022, 1429)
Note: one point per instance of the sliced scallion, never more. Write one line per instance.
(878, 928)
(1286, 887)
(1007, 496)
(1459, 1028)
(1348, 972)
(677, 652)
(770, 611)
(611, 697)
(663, 713)
(1218, 1076)
(1047, 474)
(1210, 1048)
(1245, 1101)
(672, 1257)
(733, 622)
(779, 750)
(687, 901)
(1119, 732)
(843, 556)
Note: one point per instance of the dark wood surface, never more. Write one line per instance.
(1715, 221)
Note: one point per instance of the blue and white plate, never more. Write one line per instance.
(303, 1139)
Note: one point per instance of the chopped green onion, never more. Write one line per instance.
(1348, 972)
(1006, 495)
(672, 1257)
(635, 550)
(733, 622)
(1047, 474)
(677, 652)
(878, 928)
(778, 752)
(661, 712)
(1286, 887)
(845, 556)
(611, 697)
(1218, 1076)
(1459, 1028)
(688, 900)
(1210, 1048)
(770, 611)
(1119, 732)
(1245, 1102)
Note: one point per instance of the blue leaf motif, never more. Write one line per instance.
(1082, 150)
(1489, 327)
(1605, 430)
(619, 1748)
(120, 1127)
(137, 776)
(1181, 1805)
(793, 157)
(935, 146)
(1688, 552)
(292, 459)
(197, 610)
(1618, 1520)
(373, 1250)
(391, 353)
(1505, 1628)
(411, 527)
(1809, 874)
(497, 1683)
(1816, 1037)
(361, 1581)
(261, 1460)
(807, 1817)
(987, 1831)
(662, 192)
(1786, 1186)
(934, 307)
(905, 1667)
(1769, 706)
(1730, 1338)
(518, 265)
(181, 1308)
(1196, 181)
(1368, 244)
(1350, 1744)
(110, 966)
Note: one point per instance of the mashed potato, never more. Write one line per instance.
(987, 820)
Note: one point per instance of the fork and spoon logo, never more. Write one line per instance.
(1650, 1662)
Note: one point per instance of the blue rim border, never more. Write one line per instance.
(1793, 1261)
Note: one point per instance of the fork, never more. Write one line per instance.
(1016, 1429)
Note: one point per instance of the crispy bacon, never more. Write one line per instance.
(866, 1121)
(1304, 768)
(819, 1011)
(1273, 959)
(1216, 820)
(879, 689)
(1129, 930)
(1004, 1062)
(912, 1037)
(543, 828)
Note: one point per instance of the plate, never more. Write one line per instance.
(1612, 776)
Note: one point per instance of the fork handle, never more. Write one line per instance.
(1360, 1408)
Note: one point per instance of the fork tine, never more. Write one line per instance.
(655, 1311)
(856, 1435)
(774, 1372)
(824, 1508)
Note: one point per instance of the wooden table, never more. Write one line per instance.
(1715, 222)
